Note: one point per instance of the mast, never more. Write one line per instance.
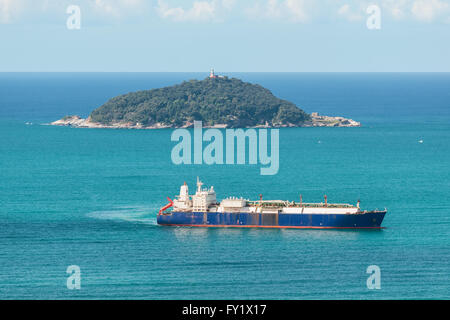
(199, 185)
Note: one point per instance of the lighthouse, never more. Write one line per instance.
(211, 74)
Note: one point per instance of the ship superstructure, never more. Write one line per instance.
(203, 210)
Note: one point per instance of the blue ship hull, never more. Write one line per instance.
(368, 220)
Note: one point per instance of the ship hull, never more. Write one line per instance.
(367, 220)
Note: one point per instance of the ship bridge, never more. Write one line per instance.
(199, 202)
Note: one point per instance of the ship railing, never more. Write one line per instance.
(282, 204)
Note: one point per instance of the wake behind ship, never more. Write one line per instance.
(203, 210)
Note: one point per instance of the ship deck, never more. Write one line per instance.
(293, 204)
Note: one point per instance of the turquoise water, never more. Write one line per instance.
(89, 197)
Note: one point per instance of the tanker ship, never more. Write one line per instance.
(203, 210)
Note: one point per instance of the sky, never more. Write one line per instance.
(229, 35)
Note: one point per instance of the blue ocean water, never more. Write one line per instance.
(89, 197)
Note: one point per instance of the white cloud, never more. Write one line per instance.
(296, 11)
(106, 7)
(420, 10)
(428, 10)
(291, 10)
(200, 10)
(273, 10)
(117, 8)
(346, 12)
(10, 10)
(228, 4)
(396, 8)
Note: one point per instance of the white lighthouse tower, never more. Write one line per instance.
(211, 74)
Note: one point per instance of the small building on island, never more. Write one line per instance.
(212, 75)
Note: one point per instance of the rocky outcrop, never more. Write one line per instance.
(78, 122)
(326, 121)
(316, 121)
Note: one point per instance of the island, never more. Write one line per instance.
(217, 101)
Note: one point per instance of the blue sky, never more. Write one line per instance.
(230, 35)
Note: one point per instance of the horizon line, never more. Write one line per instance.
(207, 72)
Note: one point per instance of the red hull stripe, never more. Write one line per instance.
(268, 227)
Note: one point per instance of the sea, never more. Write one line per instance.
(89, 197)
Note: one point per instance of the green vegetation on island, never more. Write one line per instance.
(215, 101)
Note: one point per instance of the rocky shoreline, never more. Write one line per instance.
(316, 121)
(326, 121)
